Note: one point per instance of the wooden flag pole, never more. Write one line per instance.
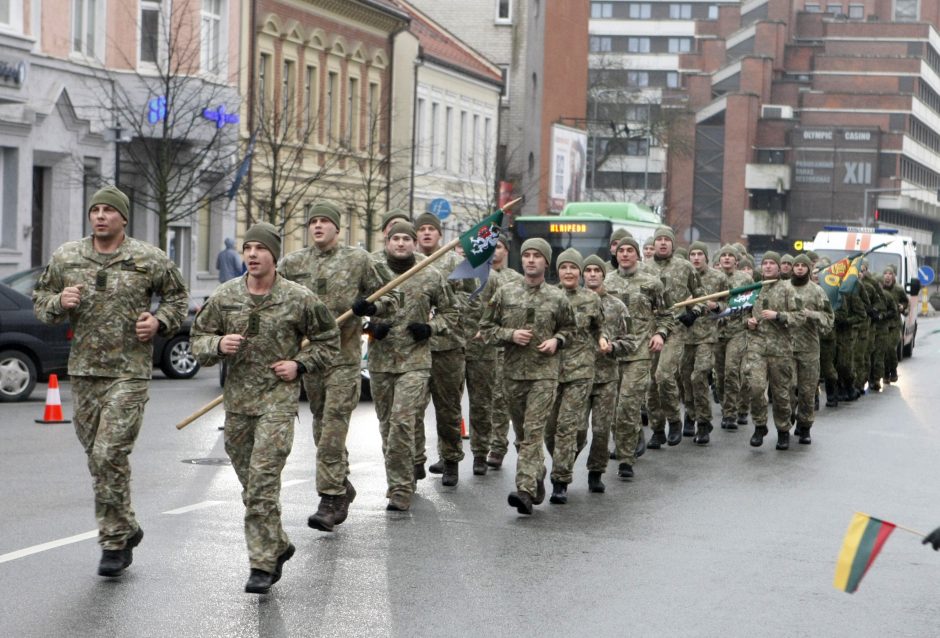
(714, 295)
(394, 283)
(900, 527)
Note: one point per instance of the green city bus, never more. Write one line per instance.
(585, 226)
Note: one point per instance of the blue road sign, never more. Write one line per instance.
(926, 275)
(439, 207)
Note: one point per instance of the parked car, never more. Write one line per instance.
(29, 350)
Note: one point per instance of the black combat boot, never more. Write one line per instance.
(688, 425)
(559, 493)
(832, 399)
(479, 466)
(325, 517)
(419, 472)
(656, 439)
(625, 471)
(702, 431)
(494, 460)
(259, 582)
(399, 502)
(522, 501)
(644, 416)
(283, 558)
(342, 505)
(674, 437)
(783, 440)
(802, 433)
(742, 419)
(893, 376)
(436, 468)
(539, 491)
(640, 448)
(112, 563)
(595, 484)
(449, 477)
(727, 423)
(757, 439)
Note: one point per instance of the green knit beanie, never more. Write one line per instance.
(728, 249)
(539, 244)
(113, 197)
(328, 209)
(770, 254)
(619, 234)
(429, 220)
(787, 259)
(392, 215)
(570, 256)
(649, 242)
(403, 227)
(629, 241)
(665, 231)
(594, 260)
(802, 259)
(681, 253)
(266, 235)
(699, 245)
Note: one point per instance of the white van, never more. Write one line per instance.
(836, 242)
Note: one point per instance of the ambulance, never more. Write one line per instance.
(836, 242)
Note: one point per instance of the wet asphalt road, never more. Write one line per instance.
(721, 541)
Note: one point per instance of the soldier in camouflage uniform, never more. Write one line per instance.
(448, 362)
(863, 331)
(730, 346)
(786, 267)
(873, 365)
(602, 403)
(898, 310)
(400, 360)
(814, 305)
(648, 251)
(648, 325)
(680, 282)
(258, 323)
(566, 430)
(698, 356)
(827, 348)
(769, 351)
(341, 277)
(102, 285)
(395, 214)
(500, 273)
(532, 319)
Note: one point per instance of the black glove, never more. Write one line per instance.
(688, 318)
(933, 539)
(419, 331)
(841, 323)
(872, 314)
(362, 307)
(378, 329)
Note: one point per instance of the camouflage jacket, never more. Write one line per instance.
(338, 276)
(648, 314)
(117, 288)
(680, 282)
(461, 289)
(772, 337)
(897, 304)
(876, 295)
(813, 304)
(607, 366)
(577, 357)
(731, 326)
(705, 328)
(545, 311)
(424, 298)
(274, 328)
(476, 348)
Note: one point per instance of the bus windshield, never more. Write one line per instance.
(587, 236)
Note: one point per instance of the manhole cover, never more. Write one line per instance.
(208, 461)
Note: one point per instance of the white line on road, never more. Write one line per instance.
(193, 507)
(35, 549)
(294, 482)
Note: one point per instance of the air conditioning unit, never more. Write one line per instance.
(776, 112)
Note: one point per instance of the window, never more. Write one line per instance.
(813, 8)
(149, 32)
(713, 12)
(600, 44)
(602, 10)
(419, 131)
(435, 107)
(475, 140)
(8, 196)
(448, 137)
(638, 45)
(857, 11)
(640, 11)
(680, 11)
(204, 240)
(332, 90)
(638, 78)
(352, 113)
(287, 92)
(503, 11)
(680, 45)
(264, 68)
(211, 36)
(834, 9)
(310, 100)
(504, 68)
(85, 26)
(672, 80)
(463, 148)
(905, 9)
(11, 15)
(373, 107)
(487, 142)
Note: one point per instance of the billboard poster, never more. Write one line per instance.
(569, 166)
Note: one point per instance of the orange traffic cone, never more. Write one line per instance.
(464, 433)
(53, 412)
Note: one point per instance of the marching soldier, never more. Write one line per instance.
(786, 267)
(257, 323)
(893, 291)
(102, 285)
(730, 347)
(532, 319)
(874, 365)
(341, 277)
(827, 348)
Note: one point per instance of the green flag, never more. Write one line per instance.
(741, 299)
(479, 242)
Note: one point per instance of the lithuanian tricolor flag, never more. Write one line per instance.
(863, 541)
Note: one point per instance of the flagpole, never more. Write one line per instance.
(394, 283)
(714, 295)
(900, 527)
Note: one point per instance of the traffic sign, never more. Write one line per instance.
(440, 208)
(926, 275)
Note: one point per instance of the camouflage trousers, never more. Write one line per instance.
(729, 360)
(530, 404)
(499, 442)
(774, 373)
(446, 390)
(663, 400)
(566, 420)
(259, 447)
(861, 358)
(602, 408)
(827, 359)
(697, 360)
(481, 386)
(397, 398)
(806, 382)
(108, 416)
(877, 368)
(889, 349)
(634, 378)
(333, 396)
(845, 347)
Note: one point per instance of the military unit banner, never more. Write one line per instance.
(479, 242)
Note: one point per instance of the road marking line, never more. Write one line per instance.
(294, 482)
(195, 506)
(35, 549)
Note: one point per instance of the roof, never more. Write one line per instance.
(441, 46)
